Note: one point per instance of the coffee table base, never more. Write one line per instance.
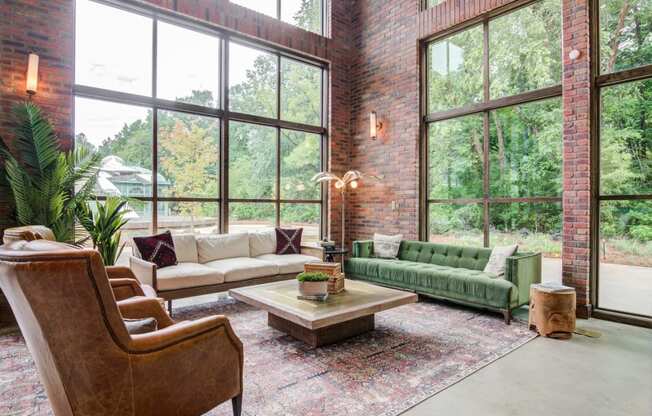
(323, 336)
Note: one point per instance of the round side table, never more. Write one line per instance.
(330, 254)
(552, 310)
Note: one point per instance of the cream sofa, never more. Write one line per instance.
(218, 262)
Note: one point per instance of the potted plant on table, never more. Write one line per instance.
(313, 284)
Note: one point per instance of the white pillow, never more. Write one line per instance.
(386, 246)
(185, 247)
(222, 246)
(498, 259)
(262, 242)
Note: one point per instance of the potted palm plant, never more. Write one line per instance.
(313, 284)
(103, 225)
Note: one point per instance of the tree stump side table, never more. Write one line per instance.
(552, 310)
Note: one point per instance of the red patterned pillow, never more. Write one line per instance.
(288, 241)
(157, 249)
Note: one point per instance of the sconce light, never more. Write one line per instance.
(32, 74)
(574, 54)
(374, 125)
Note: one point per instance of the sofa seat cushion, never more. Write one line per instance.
(243, 268)
(289, 263)
(184, 275)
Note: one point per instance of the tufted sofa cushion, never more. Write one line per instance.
(472, 258)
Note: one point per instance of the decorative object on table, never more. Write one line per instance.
(327, 244)
(552, 310)
(157, 249)
(498, 259)
(334, 272)
(103, 224)
(288, 241)
(47, 183)
(352, 180)
(313, 284)
(386, 246)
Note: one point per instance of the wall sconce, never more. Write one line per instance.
(32, 74)
(374, 125)
(574, 54)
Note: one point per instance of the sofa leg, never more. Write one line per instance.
(237, 405)
(507, 314)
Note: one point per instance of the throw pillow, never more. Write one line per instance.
(498, 259)
(288, 241)
(141, 326)
(157, 249)
(386, 246)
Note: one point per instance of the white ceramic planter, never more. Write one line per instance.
(313, 288)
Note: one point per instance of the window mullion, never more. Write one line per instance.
(154, 128)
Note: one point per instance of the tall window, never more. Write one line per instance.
(624, 238)
(494, 133)
(306, 14)
(203, 133)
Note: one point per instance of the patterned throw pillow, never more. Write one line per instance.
(288, 241)
(386, 246)
(157, 249)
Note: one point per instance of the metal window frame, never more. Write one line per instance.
(222, 113)
(484, 108)
(601, 81)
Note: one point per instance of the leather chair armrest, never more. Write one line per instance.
(142, 307)
(125, 288)
(313, 249)
(144, 271)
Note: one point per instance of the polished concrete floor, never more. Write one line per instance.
(606, 376)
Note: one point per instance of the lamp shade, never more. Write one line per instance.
(32, 74)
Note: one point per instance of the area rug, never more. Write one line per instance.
(416, 351)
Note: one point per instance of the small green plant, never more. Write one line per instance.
(312, 277)
(103, 225)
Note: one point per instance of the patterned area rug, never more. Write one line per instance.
(416, 351)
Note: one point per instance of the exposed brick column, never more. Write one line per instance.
(576, 258)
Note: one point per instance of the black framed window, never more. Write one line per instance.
(623, 158)
(493, 125)
(203, 131)
(306, 14)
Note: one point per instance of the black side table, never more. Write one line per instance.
(330, 254)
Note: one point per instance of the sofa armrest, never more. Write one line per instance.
(363, 248)
(313, 249)
(523, 270)
(144, 271)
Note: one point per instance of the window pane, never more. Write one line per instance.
(303, 13)
(188, 66)
(252, 81)
(526, 150)
(432, 3)
(306, 216)
(267, 7)
(244, 217)
(122, 135)
(252, 161)
(455, 70)
(625, 34)
(460, 225)
(300, 92)
(300, 161)
(525, 49)
(189, 217)
(113, 49)
(188, 155)
(626, 139)
(626, 256)
(535, 227)
(139, 216)
(455, 159)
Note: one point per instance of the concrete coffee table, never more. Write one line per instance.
(342, 316)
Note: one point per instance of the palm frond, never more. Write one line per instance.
(35, 138)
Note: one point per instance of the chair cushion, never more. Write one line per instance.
(243, 268)
(262, 242)
(185, 246)
(157, 249)
(187, 275)
(289, 263)
(222, 246)
(141, 326)
(288, 241)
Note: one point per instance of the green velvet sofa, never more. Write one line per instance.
(449, 272)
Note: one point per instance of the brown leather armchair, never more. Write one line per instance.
(88, 362)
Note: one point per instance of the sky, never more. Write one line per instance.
(114, 51)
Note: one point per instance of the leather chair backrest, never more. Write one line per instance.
(68, 315)
(27, 233)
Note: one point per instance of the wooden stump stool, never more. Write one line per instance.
(552, 310)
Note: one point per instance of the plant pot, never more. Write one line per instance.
(313, 288)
